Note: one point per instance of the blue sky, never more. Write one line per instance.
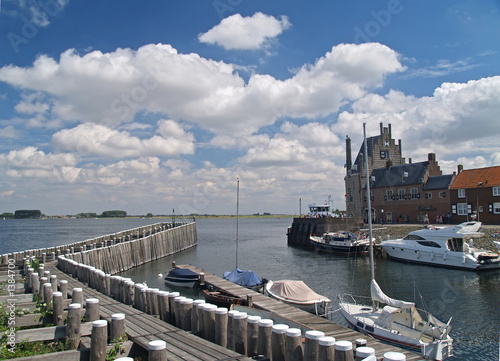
(160, 105)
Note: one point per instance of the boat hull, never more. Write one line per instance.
(221, 298)
(339, 249)
(448, 259)
(179, 282)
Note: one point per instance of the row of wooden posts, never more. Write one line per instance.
(51, 253)
(248, 335)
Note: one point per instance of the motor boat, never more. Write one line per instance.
(298, 294)
(248, 279)
(341, 242)
(450, 246)
(182, 277)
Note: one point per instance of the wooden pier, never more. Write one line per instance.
(314, 322)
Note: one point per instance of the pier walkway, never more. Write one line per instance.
(314, 322)
(141, 328)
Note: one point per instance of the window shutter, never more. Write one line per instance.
(454, 209)
(490, 207)
(469, 208)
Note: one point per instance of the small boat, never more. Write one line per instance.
(182, 277)
(248, 279)
(298, 294)
(220, 297)
(341, 242)
(443, 246)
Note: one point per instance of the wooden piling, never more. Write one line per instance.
(35, 284)
(77, 296)
(209, 322)
(157, 351)
(394, 356)
(53, 282)
(221, 317)
(162, 297)
(326, 348)
(343, 351)
(311, 347)
(63, 287)
(252, 335)
(47, 295)
(73, 327)
(99, 340)
(240, 332)
(230, 329)
(264, 346)
(117, 329)
(196, 316)
(293, 344)
(171, 309)
(185, 311)
(58, 308)
(278, 342)
(177, 310)
(363, 352)
(92, 309)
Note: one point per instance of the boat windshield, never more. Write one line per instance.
(414, 237)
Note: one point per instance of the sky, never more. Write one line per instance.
(162, 106)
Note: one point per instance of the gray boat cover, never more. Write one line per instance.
(295, 290)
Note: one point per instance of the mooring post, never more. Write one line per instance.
(311, 347)
(186, 308)
(63, 287)
(99, 340)
(177, 310)
(196, 316)
(47, 295)
(53, 282)
(43, 280)
(209, 322)
(278, 342)
(394, 356)
(252, 335)
(117, 326)
(74, 325)
(230, 329)
(250, 300)
(163, 305)
(157, 351)
(171, 309)
(364, 352)
(343, 351)
(92, 309)
(293, 344)
(77, 296)
(240, 332)
(264, 346)
(221, 326)
(35, 284)
(326, 348)
(58, 308)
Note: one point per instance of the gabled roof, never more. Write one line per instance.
(472, 178)
(369, 144)
(438, 182)
(399, 175)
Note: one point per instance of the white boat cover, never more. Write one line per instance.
(378, 295)
(295, 290)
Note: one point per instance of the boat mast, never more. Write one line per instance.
(237, 214)
(372, 268)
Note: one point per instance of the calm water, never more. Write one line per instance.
(471, 299)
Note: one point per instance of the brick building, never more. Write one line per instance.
(475, 194)
(400, 192)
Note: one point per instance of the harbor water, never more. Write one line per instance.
(471, 299)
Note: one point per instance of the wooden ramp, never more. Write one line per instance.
(142, 328)
(317, 323)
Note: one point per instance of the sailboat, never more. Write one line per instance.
(392, 320)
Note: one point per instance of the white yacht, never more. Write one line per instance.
(443, 246)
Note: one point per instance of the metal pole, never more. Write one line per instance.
(237, 215)
(372, 267)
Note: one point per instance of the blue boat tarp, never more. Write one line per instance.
(183, 273)
(243, 278)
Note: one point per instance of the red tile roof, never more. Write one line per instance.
(472, 178)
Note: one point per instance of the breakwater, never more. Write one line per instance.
(118, 251)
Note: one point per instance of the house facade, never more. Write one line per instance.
(400, 192)
(475, 195)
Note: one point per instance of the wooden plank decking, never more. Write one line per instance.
(142, 328)
(318, 323)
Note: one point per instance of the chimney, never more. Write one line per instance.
(348, 156)
(390, 131)
(460, 168)
(409, 160)
(381, 128)
(388, 164)
(431, 157)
